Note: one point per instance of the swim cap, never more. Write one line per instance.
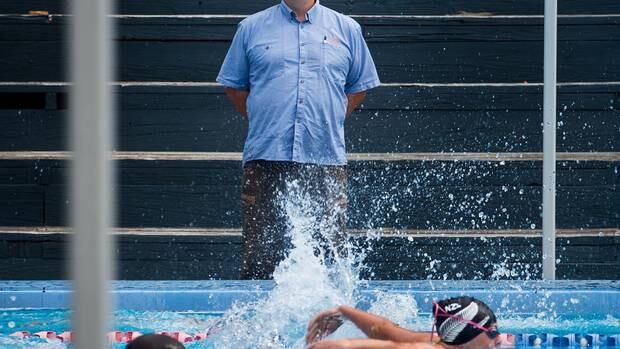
(456, 331)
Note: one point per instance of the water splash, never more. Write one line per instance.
(309, 280)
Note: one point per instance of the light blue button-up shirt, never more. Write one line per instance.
(298, 75)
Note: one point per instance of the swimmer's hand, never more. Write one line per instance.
(324, 324)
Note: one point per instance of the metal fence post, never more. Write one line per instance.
(92, 116)
(549, 141)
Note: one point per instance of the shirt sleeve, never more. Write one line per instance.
(235, 71)
(362, 73)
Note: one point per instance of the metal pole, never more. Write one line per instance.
(91, 172)
(549, 129)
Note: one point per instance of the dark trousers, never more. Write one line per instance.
(265, 225)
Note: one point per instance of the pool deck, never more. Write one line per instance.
(564, 297)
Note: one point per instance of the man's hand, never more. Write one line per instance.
(324, 324)
(238, 98)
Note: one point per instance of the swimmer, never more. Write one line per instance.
(461, 323)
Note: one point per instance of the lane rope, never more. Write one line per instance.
(507, 340)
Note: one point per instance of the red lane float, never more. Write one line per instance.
(66, 336)
(20, 334)
(45, 334)
(123, 337)
(179, 336)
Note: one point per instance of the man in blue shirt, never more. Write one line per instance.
(295, 70)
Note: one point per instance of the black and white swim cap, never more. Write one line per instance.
(456, 330)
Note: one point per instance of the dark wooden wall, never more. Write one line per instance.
(405, 195)
(460, 77)
(439, 49)
(26, 257)
(350, 7)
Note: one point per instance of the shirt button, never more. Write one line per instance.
(301, 81)
(303, 44)
(303, 62)
(301, 101)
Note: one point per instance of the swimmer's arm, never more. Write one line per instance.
(367, 344)
(377, 327)
(238, 99)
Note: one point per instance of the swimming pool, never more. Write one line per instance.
(567, 309)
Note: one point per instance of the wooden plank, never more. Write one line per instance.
(4, 249)
(33, 269)
(44, 269)
(479, 208)
(463, 270)
(202, 119)
(406, 195)
(366, 131)
(15, 172)
(178, 270)
(492, 251)
(589, 254)
(588, 271)
(472, 131)
(34, 129)
(487, 253)
(22, 205)
(210, 97)
(160, 206)
(23, 100)
(174, 251)
(141, 249)
(419, 208)
(394, 7)
(457, 50)
(36, 256)
(362, 173)
(509, 271)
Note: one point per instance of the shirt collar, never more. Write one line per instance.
(310, 16)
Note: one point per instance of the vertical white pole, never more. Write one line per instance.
(91, 173)
(549, 129)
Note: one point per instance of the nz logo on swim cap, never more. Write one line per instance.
(453, 307)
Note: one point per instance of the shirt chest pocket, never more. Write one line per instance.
(266, 61)
(335, 60)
